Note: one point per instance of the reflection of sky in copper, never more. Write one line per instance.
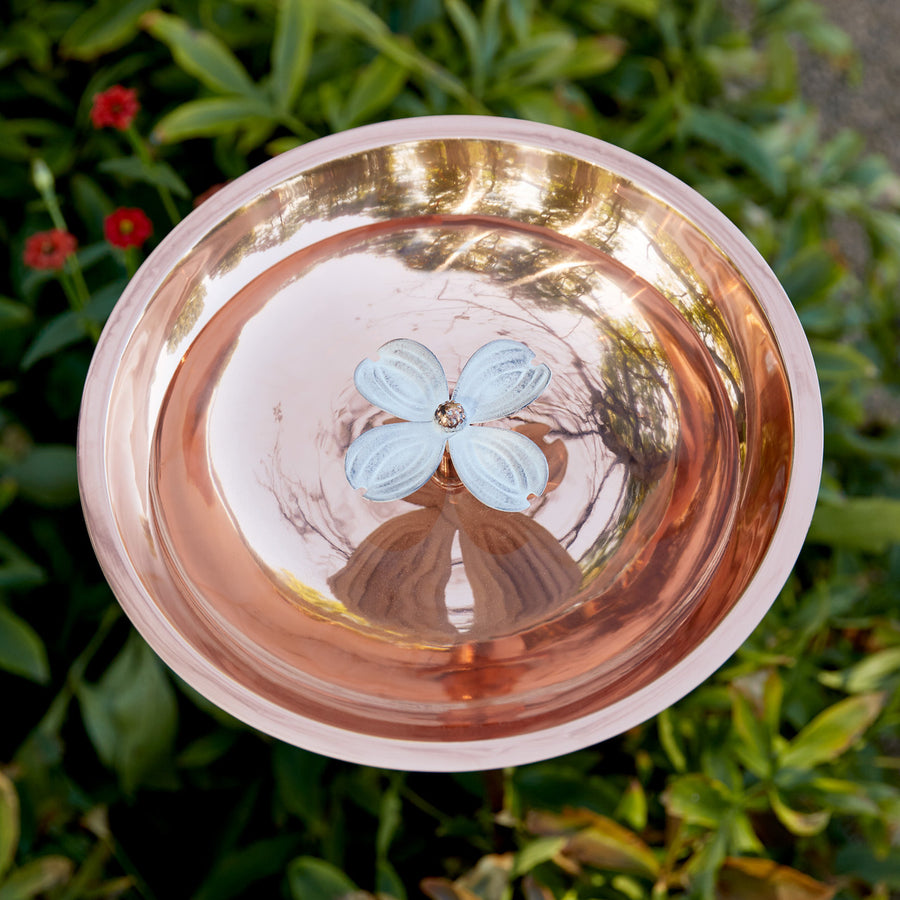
(452, 289)
(309, 446)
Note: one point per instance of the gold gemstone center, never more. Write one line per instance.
(450, 415)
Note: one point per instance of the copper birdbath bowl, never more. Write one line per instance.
(681, 428)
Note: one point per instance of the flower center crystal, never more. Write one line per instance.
(450, 416)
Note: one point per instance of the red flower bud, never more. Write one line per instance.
(115, 108)
(49, 249)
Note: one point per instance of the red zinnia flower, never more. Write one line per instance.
(49, 249)
(127, 228)
(115, 108)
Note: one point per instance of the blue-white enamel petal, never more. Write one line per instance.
(407, 380)
(392, 461)
(499, 380)
(501, 468)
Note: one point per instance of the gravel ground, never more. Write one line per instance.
(871, 106)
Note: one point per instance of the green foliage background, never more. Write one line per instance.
(776, 778)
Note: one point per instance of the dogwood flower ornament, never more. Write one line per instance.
(501, 468)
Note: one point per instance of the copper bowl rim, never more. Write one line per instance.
(701, 662)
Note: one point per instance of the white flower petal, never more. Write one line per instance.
(499, 380)
(501, 468)
(392, 461)
(406, 381)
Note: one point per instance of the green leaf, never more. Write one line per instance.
(741, 835)
(773, 693)
(592, 56)
(103, 27)
(159, 174)
(131, 715)
(13, 314)
(832, 732)
(803, 824)
(871, 524)
(70, 327)
(239, 870)
(466, 24)
(841, 363)
(704, 866)
(353, 18)
(831, 41)
(842, 796)
(9, 823)
(810, 275)
(698, 799)
(208, 118)
(17, 570)
(864, 862)
(37, 877)
(201, 55)
(390, 818)
(47, 475)
(738, 141)
(388, 883)
(375, 87)
(61, 331)
(563, 783)
(753, 747)
(597, 841)
(870, 674)
(21, 649)
(91, 202)
(544, 105)
(536, 852)
(632, 807)
(24, 39)
(298, 778)
(762, 879)
(104, 300)
(292, 46)
(669, 740)
(282, 145)
(884, 226)
(541, 58)
(646, 9)
(206, 750)
(314, 879)
(520, 14)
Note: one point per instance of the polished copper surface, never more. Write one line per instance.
(434, 632)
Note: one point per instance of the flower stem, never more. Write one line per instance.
(71, 278)
(131, 261)
(53, 719)
(139, 146)
(71, 292)
(77, 298)
(46, 187)
(81, 287)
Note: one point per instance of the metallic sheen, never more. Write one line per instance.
(681, 432)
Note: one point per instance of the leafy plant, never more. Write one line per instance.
(777, 778)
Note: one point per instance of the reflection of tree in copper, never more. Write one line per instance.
(518, 572)
(627, 401)
(303, 506)
(187, 318)
(428, 178)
